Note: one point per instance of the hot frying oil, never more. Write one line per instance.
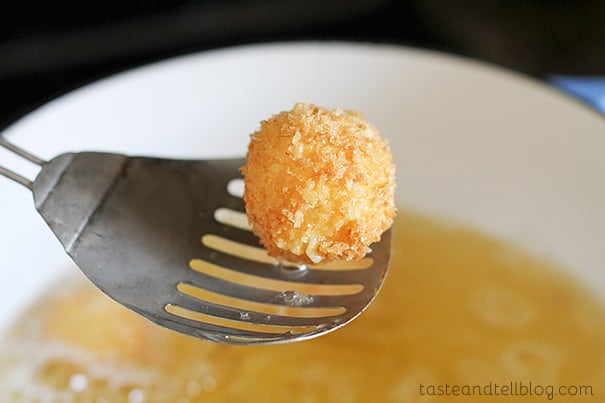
(461, 317)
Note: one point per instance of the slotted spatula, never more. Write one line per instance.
(169, 239)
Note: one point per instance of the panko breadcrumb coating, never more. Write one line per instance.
(319, 185)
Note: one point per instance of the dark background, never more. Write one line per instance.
(48, 48)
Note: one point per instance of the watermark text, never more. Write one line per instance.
(513, 388)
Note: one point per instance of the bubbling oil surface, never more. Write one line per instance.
(458, 308)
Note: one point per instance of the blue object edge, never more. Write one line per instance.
(588, 89)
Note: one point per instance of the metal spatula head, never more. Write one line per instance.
(169, 239)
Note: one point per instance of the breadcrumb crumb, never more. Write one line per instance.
(319, 185)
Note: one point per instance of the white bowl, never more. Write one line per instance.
(473, 143)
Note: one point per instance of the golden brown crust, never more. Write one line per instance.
(319, 185)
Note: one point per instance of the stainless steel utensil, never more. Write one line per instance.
(169, 239)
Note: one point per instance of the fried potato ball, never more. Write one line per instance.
(319, 185)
